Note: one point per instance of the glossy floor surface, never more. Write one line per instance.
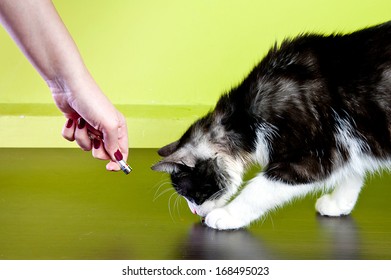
(62, 204)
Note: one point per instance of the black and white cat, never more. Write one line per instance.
(315, 113)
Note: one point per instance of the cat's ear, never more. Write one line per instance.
(175, 159)
(163, 166)
(169, 166)
(169, 149)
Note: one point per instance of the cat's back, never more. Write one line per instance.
(334, 71)
(335, 55)
(340, 63)
(359, 54)
(310, 81)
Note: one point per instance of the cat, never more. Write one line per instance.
(315, 114)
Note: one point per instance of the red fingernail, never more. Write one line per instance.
(69, 123)
(96, 143)
(124, 166)
(81, 123)
(118, 156)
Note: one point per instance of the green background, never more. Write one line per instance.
(163, 63)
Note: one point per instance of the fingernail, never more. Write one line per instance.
(69, 123)
(118, 156)
(96, 143)
(81, 123)
(124, 166)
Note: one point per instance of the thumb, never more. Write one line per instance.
(116, 144)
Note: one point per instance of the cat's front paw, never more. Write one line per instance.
(327, 206)
(221, 219)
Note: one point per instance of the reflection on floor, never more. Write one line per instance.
(62, 204)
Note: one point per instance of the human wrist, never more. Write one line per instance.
(78, 81)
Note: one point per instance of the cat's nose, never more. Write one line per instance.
(194, 212)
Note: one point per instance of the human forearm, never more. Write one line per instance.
(39, 32)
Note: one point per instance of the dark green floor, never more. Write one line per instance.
(62, 204)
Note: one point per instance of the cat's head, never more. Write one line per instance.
(202, 167)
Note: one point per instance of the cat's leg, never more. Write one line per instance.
(342, 200)
(255, 200)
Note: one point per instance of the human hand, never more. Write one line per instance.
(92, 121)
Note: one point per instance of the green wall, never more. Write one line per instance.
(182, 53)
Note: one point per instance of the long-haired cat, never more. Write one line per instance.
(315, 113)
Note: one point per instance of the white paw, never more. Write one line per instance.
(221, 219)
(327, 206)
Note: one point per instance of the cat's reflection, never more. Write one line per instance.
(342, 236)
(207, 243)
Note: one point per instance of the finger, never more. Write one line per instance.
(98, 151)
(117, 141)
(113, 166)
(68, 131)
(116, 138)
(81, 135)
(123, 140)
(94, 132)
(111, 142)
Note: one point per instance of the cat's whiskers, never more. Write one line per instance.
(159, 193)
(177, 203)
(172, 206)
(159, 184)
(162, 193)
(169, 204)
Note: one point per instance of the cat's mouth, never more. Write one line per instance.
(202, 210)
(193, 207)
